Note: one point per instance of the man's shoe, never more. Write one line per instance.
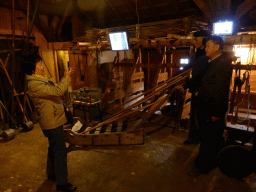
(67, 188)
(188, 142)
(194, 171)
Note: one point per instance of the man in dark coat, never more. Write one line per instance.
(196, 63)
(212, 104)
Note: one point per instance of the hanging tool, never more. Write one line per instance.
(14, 123)
(247, 91)
(27, 125)
(2, 125)
(7, 134)
(237, 84)
(10, 81)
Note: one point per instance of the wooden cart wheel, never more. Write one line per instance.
(235, 161)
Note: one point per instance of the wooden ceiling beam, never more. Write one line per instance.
(149, 6)
(24, 10)
(45, 29)
(41, 22)
(205, 9)
(130, 7)
(244, 7)
(176, 6)
(114, 11)
(45, 8)
(69, 11)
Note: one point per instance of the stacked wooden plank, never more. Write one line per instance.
(114, 92)
(125, 82)
(134, 82)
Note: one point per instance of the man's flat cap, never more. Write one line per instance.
(202, 33)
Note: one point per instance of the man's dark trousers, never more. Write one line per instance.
(57, 155)
(193, 131)
(211, 140)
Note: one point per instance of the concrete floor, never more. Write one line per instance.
(160, 164)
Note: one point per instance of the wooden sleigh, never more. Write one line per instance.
(124, 126)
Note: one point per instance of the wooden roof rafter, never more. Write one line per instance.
(131, 7)
(204, 8)
(85, 13)
(175, 3)
(115, 11)
(245, 7)
(163, 28)
(155, 13)
(69, 11)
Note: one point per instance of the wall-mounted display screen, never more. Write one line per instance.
(118, 41)
(223, 28)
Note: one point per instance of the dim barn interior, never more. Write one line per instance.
(128, 95)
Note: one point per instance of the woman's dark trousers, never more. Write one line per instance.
(57, 155)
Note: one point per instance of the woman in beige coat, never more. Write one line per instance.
(46, 98)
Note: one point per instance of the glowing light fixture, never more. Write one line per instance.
(184, 61)
(245, 53)
(84, 43)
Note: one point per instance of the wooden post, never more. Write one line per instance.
(32, 23)
(25, 98)
(171, 71)
(2, 117)
(28, 9)
(13, 58)
(140, 56)
(148, 73)
(119, 69)
(165, 57)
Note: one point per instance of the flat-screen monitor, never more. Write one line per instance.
(223, 28)
(119, 41)
(184, 61)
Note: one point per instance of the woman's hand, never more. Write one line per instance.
(215, 118)
(68, 72)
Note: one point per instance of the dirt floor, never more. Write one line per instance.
(160, 164)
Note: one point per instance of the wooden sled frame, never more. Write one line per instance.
(157, 96)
